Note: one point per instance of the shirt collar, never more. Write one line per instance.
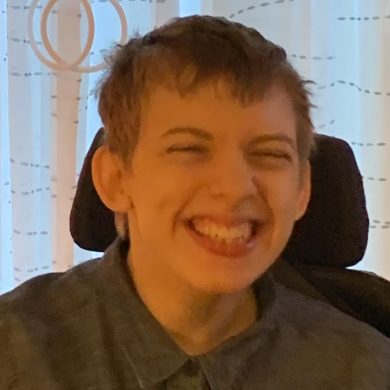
(144, 344)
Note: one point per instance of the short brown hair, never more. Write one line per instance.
(184, 54)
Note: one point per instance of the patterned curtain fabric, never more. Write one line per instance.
(48, 117)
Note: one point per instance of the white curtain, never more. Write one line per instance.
(48, 118)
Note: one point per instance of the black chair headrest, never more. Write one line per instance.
(332, 233)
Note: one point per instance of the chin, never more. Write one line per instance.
(220, 284)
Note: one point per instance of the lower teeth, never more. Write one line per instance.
(222, 240)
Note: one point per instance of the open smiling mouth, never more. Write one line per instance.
(233, 248)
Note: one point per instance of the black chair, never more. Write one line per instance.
(329, 238)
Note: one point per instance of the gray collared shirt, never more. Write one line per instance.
(87, 328)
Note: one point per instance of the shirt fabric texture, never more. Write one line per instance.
(87, 328)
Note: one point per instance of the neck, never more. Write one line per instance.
(196, 321)
(227, 318)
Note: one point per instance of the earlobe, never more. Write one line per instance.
(108, 179)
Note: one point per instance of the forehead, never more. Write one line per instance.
(213, 108)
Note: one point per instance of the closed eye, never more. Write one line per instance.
(199, 149)
(273, 155)
(195, 149)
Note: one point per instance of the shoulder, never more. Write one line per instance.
(328, 328)
(50, 288)
(39, 313)
(47, 299)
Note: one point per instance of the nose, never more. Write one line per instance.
(233, 178)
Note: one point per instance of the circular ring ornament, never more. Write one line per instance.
(59, 63)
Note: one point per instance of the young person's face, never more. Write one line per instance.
(255, 179)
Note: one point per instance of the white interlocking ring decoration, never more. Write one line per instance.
(60, 64)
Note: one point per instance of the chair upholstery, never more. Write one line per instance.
(331, 236)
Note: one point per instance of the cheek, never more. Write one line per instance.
(157, 204)
(282, 197)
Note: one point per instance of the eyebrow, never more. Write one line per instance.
(205, 135)
(200, 133)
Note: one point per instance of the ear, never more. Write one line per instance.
(108, 179)
(304, 190)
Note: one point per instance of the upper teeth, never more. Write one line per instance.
(210, 228)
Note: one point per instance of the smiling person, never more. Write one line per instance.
(205, 163)
(214, 179)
